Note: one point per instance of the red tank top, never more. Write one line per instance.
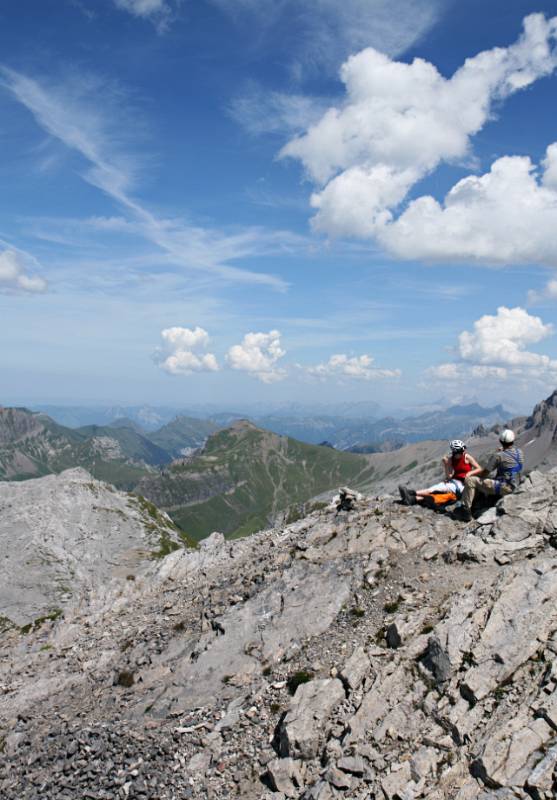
(460, 467)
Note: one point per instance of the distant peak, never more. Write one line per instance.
(243, 425)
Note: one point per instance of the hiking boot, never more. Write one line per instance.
(408, 496)
(463, 514)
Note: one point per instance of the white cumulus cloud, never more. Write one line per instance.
(180, 353)
(501, 340)
(14, 275)
(399, 121)
(258, 354)
(550, 167)
(497, 349)
(444, 372)
(507, 216)
(358, 367)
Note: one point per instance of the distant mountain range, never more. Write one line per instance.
(32, 444)
(388, 433)
(347, 426)
(148, 418)
(243, 478)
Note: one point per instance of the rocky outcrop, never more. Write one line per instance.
(62, 534)
(17, 424)
(384, 652)
(544, 415)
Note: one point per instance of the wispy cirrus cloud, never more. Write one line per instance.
(324, 32)
(547, 294)
(73, 114)
(262, 111)
(158, 12)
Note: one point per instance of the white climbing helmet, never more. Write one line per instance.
(457, 445)
(506, 436)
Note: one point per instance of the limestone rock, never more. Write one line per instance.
(303, 603)
(209, 642)
(355, 765)
(521, 618)
(307, 719)
(436, 660)
(285, 776)
(355, 669)
(338, 779)
(63, 534)
(319, 791)
(398, 784)
(542, 779)
(508, 751)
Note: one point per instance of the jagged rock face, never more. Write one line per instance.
(63, 533)
(17, 424)
(24, 443)
(385, 652)
(538, 435)
(544, 414)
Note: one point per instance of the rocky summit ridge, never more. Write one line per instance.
(61, 534)
(384, 652)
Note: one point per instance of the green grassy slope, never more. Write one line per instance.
(244, 476)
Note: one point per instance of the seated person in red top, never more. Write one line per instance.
(458, 465)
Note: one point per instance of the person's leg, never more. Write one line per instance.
(491, 487)
(486, 486)
(408, 496)
(444, 486)
(471, 486)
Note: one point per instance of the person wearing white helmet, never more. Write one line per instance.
(507, 463)
(457, 465)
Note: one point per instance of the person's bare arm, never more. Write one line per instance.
(476, 469)
(448, 467)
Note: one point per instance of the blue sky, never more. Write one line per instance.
(231, 200)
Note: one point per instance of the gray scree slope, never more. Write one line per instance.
(62, 533)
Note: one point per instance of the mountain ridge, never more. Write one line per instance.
(245, 476)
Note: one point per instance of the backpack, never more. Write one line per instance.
(438, 501)
(506, 476)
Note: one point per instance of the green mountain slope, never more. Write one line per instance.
(181, 434)
(133, 446)
(32, 445)
(245, 476)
